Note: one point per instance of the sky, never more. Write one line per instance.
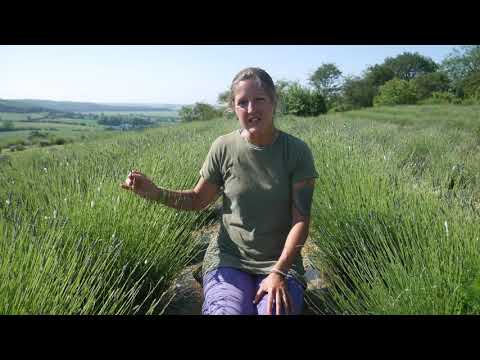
(174, 74)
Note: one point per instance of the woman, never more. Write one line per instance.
(266, 177)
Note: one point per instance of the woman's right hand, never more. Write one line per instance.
(140, 185)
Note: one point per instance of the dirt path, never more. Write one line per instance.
(188, 297)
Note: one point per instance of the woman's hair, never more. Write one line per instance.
(262, 79)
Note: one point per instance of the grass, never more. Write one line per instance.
(395, 219)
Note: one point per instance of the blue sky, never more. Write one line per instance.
(171, 74)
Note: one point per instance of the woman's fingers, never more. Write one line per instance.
(278, 302)
(259, 295)
(270, 303)
(287, 301)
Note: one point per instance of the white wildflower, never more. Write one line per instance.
(45, 169)
(446, 227)
(7, 202)
(146, 261)
(92, 204)
(384, 158)
(55, 213)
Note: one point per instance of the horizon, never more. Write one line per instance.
(174, 74)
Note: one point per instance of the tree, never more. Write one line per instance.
(281, 87)
(358, 92)
(427, 84)
(224, 98)
(198, 112)
(461, 64)
(377, 75)
(302, 101)
(185, 113)
(407, 66)
(7, 125)
(396, 92)
(326, 80)
(471, 85)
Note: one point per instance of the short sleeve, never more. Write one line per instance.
(211, 168)
(305, 165)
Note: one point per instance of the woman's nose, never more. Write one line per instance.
(251, 106)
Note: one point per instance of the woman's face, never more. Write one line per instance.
(253, 107)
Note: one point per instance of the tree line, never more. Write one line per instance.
(408, 78)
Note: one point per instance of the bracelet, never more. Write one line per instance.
(280, 272)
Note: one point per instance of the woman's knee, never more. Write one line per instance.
(228, 291)
(296, 291)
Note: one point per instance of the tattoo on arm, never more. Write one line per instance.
(302, 199)
(176, 199)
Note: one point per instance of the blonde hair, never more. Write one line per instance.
(262, 79)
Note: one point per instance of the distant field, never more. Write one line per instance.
(20, 116)
(172, 113)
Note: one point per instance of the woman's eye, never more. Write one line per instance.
(242, 103)
(260, 99)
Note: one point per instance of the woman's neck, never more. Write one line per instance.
(263, 139)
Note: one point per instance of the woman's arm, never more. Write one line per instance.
(198, 198)
(275, 284)
(302, 195)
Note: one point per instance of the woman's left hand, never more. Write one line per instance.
(275, 285)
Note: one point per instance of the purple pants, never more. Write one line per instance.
(230, 291)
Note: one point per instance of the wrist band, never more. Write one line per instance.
(280, 272)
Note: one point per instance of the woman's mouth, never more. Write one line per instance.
(253, 120)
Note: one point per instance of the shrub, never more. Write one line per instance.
(441, 97)
(341, 108)
(301, 101)
(396, 92)
(427, 84)
(198, 112)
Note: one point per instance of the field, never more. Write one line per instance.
(58, 129)
(395, 220)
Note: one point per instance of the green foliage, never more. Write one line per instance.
(281, 87)
(460, 64)
(471, 85)
(199, 112)
(427, 84)
(441, 97)
(302, 101)
(407, 66)
(326, 80)
(396, 92)
(379, 74)
(224, 98)
(358, 92)
(7, 125)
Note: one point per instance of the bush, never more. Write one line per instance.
(60, 141)
(301, 101)
(427, 84)
(441, 97)
(396, 92)
(341, 108)
(358, 92)
(198, 112)
(471, 86)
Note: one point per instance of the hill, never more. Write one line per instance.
(32, 105)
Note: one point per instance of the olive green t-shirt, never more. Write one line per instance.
(257, 200)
